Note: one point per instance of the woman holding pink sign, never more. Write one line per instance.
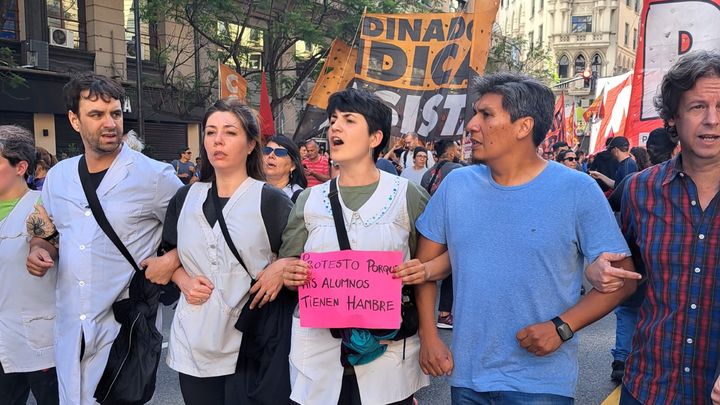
(377, 212)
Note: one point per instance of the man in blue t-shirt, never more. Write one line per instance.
(619, 148)
(518, 231)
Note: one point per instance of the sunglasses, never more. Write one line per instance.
(279, 152)
(572, 159)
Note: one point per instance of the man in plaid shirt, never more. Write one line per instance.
(671, 212)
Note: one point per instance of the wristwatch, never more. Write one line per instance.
(563, 329)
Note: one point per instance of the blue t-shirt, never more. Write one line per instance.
(626, 167)
(517, 255)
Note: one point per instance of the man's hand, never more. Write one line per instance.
(715, 395)
(540, 339)
(604, 277)
(411, 272)
(196, 289)
(268, 284)
(159, 270)
(295, 273)
(435, 358)
(39, 261)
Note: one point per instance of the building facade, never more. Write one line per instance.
(52, 39)
(581, 34)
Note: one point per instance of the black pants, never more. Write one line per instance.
(350, 393)
(15, 387)
(446, 295)
(202, 390)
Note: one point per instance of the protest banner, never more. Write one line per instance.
(668, 30)
(351, 289)
(421, 65)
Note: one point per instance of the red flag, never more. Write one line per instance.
(557, 131)
(267, 123)
(601, 109)
(594, 108)
(615, 110)
(571, 127)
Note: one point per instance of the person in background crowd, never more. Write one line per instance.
(383, 209)
(415, 172)
(604, 163)
(282, 166)
(447, 162)
(303, 151)
(184, 168)
(582, 161)
(660, 149)
(131, 139)
(316, 165)
(403, 151)
(198, 167)
(27, 303)
(45, 160)
(134, 191)
(510, 241)
(558, 147)
(204, 343)
(568, 158)
(642, 159)
(386, 166)
(671, 212)
(619, 148)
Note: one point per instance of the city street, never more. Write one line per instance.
(593, 387)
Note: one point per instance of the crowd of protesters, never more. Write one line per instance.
(94, 243)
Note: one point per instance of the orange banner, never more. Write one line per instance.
(232, 84)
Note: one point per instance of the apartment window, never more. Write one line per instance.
(596, 64)
(581, 23)
(532, 8)
(148, 34)
(579, 64)
(9, 25)
(540, 36)
(542, 4)
(252, 40)
(637, 6)
(634, 38)
(68, 15)
(563, 64)
(627, 33)
(627, 3)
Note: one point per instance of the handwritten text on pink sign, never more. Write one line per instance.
(351, 289)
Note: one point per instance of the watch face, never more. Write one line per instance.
(565, 332)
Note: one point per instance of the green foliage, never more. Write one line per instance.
(509, 54)
(224, 28)
(9, 79)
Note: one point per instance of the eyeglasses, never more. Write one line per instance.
(422, 156)
(572, 159)
(279, 152)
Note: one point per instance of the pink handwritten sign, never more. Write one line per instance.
(351, 289)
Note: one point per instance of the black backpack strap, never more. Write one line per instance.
(99, 214)
(223, 227)
(435, 175)
(338, 216)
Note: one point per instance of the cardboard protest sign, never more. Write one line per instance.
(351, 289)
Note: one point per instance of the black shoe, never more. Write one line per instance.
(618, 371)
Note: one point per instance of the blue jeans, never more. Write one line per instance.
(626, 398)
(466, 396)
(626, 322)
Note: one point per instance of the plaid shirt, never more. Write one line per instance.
(676, 344)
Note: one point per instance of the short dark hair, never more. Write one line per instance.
(642, 158)
(561, 156)
(181, 151)
(660, 146)
(682, 77)
(99, 86)
(522, 96)
(443, 145)
(17, 145)
(377, 115)
(297, 176)
(248, 120)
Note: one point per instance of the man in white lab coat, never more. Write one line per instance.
(134, 191)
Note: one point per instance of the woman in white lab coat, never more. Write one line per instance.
(27, 303)
(204, 342)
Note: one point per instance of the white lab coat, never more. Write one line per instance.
(27, 303)
(203, 339)
(382, 223)
(92, 274)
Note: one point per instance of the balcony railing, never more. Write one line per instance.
(581, 38)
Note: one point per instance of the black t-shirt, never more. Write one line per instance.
(96, 178)
(275, 207)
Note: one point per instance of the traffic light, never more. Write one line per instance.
(587, 76)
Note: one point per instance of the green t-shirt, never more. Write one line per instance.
(296, 234)
(6, 207)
